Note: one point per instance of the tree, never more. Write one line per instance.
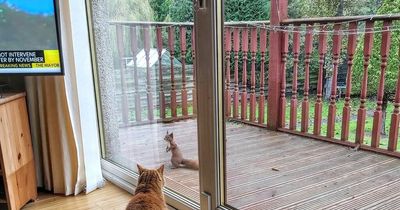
(244, 10)
(161, 9)
(137, 10)
(182, 11)
(326, 8)
(235, 10)
(388, 7)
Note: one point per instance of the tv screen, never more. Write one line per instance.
(29, 34)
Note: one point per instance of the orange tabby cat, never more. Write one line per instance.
(177, 159)
(149, 191)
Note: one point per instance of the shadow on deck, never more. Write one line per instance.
(273, 170)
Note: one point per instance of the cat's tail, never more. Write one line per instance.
(190, 164)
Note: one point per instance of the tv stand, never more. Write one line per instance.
(16, 154)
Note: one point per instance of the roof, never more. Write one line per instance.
(153, 55)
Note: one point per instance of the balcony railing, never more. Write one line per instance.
(166, 91)
(338, 29)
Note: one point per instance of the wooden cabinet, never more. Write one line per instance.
(17, 163)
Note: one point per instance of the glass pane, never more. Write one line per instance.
(146, 79)
(248, 146)
(312, 61)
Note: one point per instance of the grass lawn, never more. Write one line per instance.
(168, 113)
(354, 103)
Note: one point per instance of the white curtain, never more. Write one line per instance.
(63, 113)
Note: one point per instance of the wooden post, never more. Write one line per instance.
(362, 112)
(171, 31)
(395, 121)
(121, 54)
(337, 43)
(318, 104)
(182, 30)
(293, 100)
(160, 72)
(253, 50)
(285, 49)
(134, 49)
(263, 49)
(305, 106)
(194, 90)
(278, 13)
(150, 107)
(236, 47)
(351, 47)
(228, 49)
(385, 47)
(245, 49)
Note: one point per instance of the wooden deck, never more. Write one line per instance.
(273, 170)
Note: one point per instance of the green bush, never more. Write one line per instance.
(388, 7)
(181, 11)
(235, 10)
(161, 9)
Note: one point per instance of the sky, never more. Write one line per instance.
(34, 7)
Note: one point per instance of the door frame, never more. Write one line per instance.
(209, 30)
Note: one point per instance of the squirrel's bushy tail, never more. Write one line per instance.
(191, 164)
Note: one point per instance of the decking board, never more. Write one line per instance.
(272, 170)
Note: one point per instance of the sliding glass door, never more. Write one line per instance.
(146, 82)
(160, 81)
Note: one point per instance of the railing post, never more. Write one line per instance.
(245, 48)
(171, 43)
(385, 47)
(395, 121)
(337, 43)
(150, 107)
(134, 49)
(278, 13)
(253, 50)
(351, 47)
(182, 31)
(322, 48)
(160, 72)
(293, 100)
(194, 90)
(263, 49)
(236, 47)
(285, 49)
(121, 54)
(228, 49)
(305, 105)
(362, 112)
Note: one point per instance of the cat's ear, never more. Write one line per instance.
(161, 169)
(167, 133)
(171, 134)
(140, 168)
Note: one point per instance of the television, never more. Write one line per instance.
(30, 38)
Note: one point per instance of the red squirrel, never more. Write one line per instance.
(177, 159)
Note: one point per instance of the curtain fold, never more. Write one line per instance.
(54, 134)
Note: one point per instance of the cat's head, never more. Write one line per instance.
(169, 137)
(153, 176)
